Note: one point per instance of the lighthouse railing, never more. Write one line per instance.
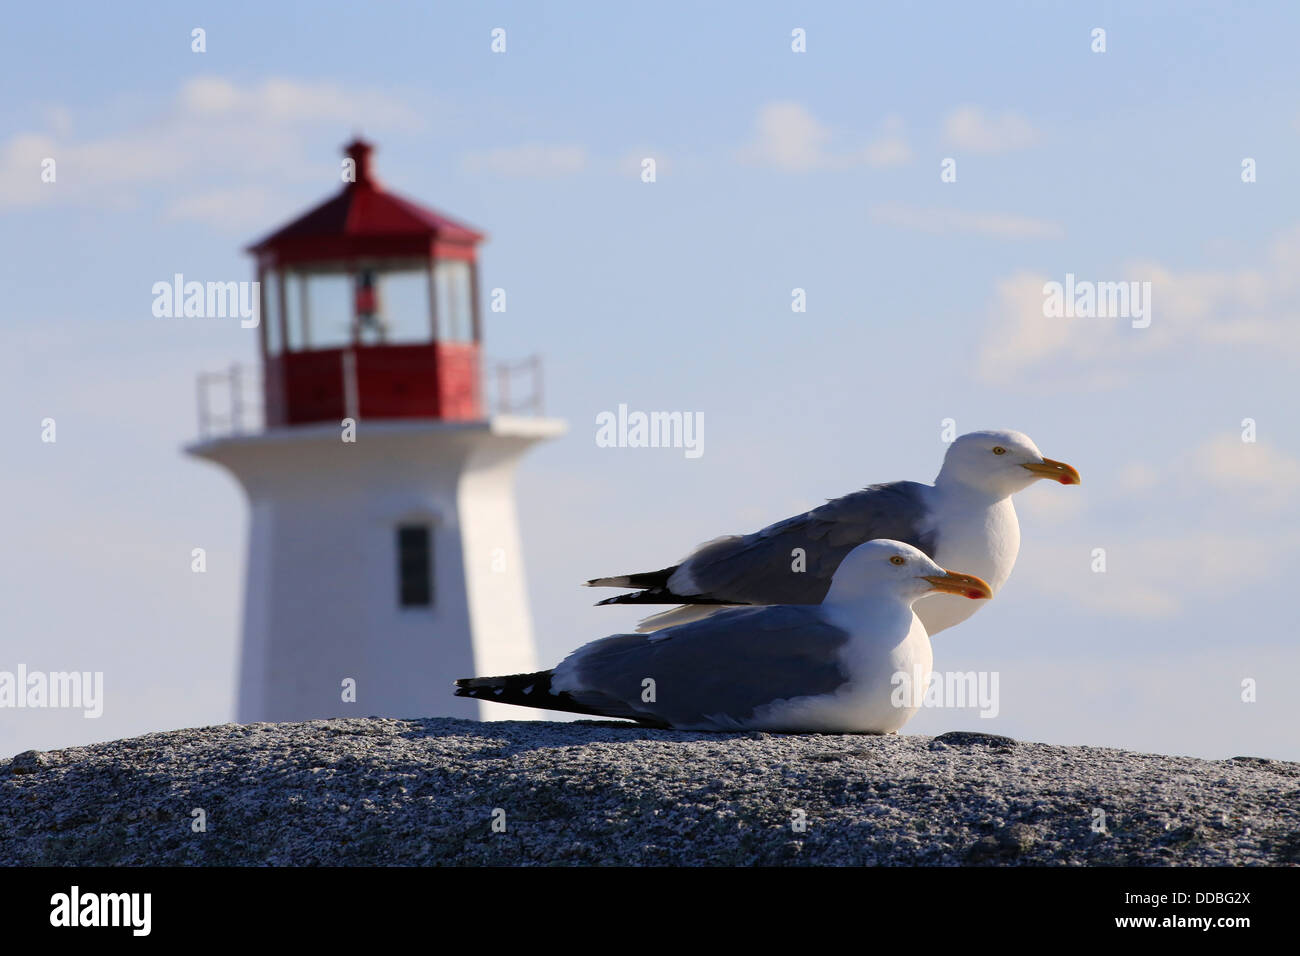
(232, 401)
(515, 388)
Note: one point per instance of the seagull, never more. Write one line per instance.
(964, 520)
(856, 663)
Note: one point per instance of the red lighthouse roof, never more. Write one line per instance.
(366, 221)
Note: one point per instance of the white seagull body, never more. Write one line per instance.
(964, 520)
(872, 658)
(828, 668)
(971, 529)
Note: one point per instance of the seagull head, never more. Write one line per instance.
(1000, 462)
(885, 566)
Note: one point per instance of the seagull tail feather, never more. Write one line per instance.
(645, 579)
(525, 690)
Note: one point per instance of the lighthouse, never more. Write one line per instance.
(384, 556)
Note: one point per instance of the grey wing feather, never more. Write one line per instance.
(729, 664)
(758, 568)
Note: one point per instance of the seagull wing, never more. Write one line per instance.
(792, 561)
(711, 673)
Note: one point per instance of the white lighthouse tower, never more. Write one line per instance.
(384, 558)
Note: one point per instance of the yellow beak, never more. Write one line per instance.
(1059, 470)
(967, 585)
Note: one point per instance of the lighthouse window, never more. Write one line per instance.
(455, 305)
(404, 296)
(321, 315)
(415, 566)
(295, 300)
(271, 311)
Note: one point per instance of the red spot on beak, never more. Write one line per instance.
(974, 595)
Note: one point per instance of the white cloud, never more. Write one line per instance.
(943, 221)
(296, 103)
(889, 150)
(890, 146)
(240, 208)
(1222, 476)
(789, 138)
(1249, 307)
(212, 129)
(1021, 337)
(1242, 497)
(1260, 474)
(80, 168)
(528, 161)
(971, 129)
(1153, 576)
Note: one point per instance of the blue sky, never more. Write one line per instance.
(776, 170)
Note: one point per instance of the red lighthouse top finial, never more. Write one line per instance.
(359, 152)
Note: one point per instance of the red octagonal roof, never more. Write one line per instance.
(366, 221)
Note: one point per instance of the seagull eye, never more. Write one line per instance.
(999, 450)
(897, 560)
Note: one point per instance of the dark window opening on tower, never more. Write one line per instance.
(415, 565)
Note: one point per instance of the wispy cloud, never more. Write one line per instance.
(789, 138)
(294, 102)
(211, 130)
(946, 221)
(970, 128)
(1251, 307)
(889, 148)
(236, 209)
(528, 161)
(1155, 576)
(1262, 475)
(1258, 476)
(1242, 495)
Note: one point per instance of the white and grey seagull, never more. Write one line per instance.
(964, 520)
(828, 668)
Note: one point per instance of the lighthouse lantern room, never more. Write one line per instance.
(370, 308)
(384, 558)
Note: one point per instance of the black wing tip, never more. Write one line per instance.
(664, 596)
(478, 686)
(648, 596)
(641, 579)
(524, 690)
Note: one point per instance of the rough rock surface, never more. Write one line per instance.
(378, 791)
